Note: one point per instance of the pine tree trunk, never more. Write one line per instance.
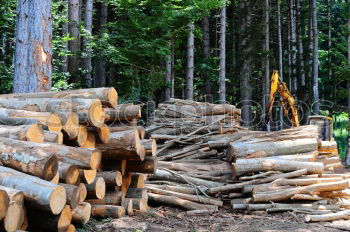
(100, 78)
(310, 55)
(280, 54)
(86, 40)
(206, 55)
(266, 63)
(33, 52)
(74, 44)
(222, 73)
(300, 45)
(316, 105)
(245, 71)
(168, 74)
(190, 62)
(347, 161)
(329, 16)
(173, 67)
(293, 46)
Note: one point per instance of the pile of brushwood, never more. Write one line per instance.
(69, 155)
(206, 160)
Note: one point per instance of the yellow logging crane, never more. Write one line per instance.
(285, 97)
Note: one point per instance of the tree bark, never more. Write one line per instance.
(190, 62)
(107, 211)
(206, 55)
(40, 193)
(316, 104)
(72, 193)
(347, 159)
(328, 217)
(31, 133)
(86, 42)
(97, 189)
(266, 62)
(167, 92)
(100, 78)
(222, 68)
(293, 42)
(82, 213)
(300, 45)
(74, 44)
(33, 51)
(69, 173)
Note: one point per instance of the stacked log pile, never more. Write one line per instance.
(200, 168)
(68, 156)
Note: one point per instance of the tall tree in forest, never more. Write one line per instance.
(86, 40)
(206, 56)
(245, 61)
(74, 43)
(266, 62)
(168, 74)
(280, 54)
(316, 104)
(310, 53)
(190, 62)
(347, 160)
(293, 42)
(33, 52)
(300, 45)
(222, 72)
(100, 74)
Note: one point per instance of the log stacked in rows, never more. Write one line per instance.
(69, 156)
(288, 170)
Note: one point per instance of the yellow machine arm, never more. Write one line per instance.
(286, 99)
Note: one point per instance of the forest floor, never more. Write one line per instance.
(164, 219)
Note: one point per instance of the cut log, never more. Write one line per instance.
(81, 213)
(48, 222)
(97, 188)
(13, 195)
(87, 176)
(137, 180)
(125, 184)
(108, 96)
(114, 165)
(111, 178)
(24, 219)
(13, 218)
(288, 193)
(178, 202)
(107, 211)
(70, 122)
(90, 141)
(71, 228)
(82, 192)
(139, 193)
(103, 133)
(122, 112)
(150, 146)
(328, 217)
(84, 158)
(56, 178)
(194, 198)
(138, 204)
(128, 206)
(179, 189)
(140, 129)
(111, 198)
(22, 117)
(245, 166)
(53, 137)
(186, 166)
(89, 110)
(168, 176)
(72, 193)
(20, 155)
(123, 145)
(239, 186)
(69, 173)
(4, 203)
(31, 133)
(148, 165)
(39, 193)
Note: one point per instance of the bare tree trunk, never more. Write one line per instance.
(289, 52)
(293, 45)
(190, 62)
(266, 63)
(222, 73)
(168, 74)
(33, 52)
(173, 67)
(74, 44)
(245, 71)
(329, 16)
(89, 4)
(206, 55)
(100, 76)
(310, 55)
(280, 53)
(300, 45)
(316, 106)
(347, 161)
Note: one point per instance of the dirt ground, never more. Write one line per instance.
(164, 219)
